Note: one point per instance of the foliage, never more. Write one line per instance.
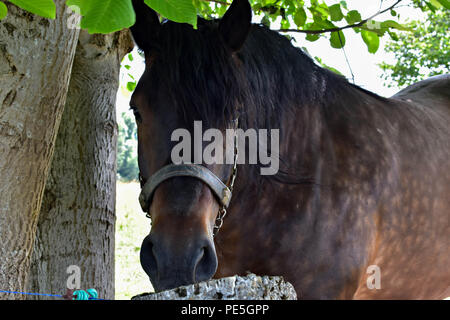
(127, 166)
(421, 54)
(3, 10)
(315, 18)
(175, 10)
(44, 8)
(104, 16)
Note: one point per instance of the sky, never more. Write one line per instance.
(363, 64)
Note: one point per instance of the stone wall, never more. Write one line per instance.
(250, 287)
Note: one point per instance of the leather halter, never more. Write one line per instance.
(220, 190)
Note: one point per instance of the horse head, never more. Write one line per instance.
(190, 74)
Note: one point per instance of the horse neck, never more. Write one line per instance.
(312, 124)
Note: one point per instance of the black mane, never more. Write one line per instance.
(196, 68)
(263, 81)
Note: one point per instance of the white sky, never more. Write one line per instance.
(364, 64)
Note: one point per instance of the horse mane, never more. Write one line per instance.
(276, 76)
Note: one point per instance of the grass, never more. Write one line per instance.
(131, 228)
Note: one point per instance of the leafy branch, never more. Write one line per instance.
(107, 16)
(337, 29)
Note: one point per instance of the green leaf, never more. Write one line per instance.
(430, 6)
(182, 11)
(312, 37)
(3, 10)
(43, 8)
(337, 39)
(266, 21)
(285, 24)
(445, 3)
(436, 3)
(353, 16)
(83, 5)
(371, 39)
(393, 36)
(395, 25)
(336, 12)
(300, 17)
(105, 16)
(131, 86)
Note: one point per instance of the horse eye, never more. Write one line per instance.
(136, 113)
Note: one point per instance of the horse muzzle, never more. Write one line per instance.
(173, 264)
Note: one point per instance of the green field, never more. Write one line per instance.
(131, 228)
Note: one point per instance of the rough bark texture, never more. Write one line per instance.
(251, 287)
(77, 219)
(36, 56)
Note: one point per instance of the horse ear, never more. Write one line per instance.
(235, 24)
(147, 25)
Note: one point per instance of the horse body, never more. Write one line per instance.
(380, 197)
(364, 180)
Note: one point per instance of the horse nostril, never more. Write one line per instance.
(206, 264)
(148, 258)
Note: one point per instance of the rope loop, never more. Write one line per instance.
(89, 294)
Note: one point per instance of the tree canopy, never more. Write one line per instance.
(312, 17)
(420, 54)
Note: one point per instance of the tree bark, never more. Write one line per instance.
(36, 56)
(77, 220)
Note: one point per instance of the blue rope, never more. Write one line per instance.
(89, 294)
(33, 294)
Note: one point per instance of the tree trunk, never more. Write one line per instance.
(77, 219)
(36, 56)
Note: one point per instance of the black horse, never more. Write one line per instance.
(363, 184)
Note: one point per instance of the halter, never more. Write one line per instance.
(222, 191)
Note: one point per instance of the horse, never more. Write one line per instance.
(359, 207)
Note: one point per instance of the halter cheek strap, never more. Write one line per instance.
(220, 190)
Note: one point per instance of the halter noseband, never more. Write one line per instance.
(222, 192)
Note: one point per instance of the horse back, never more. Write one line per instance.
(434, 88)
